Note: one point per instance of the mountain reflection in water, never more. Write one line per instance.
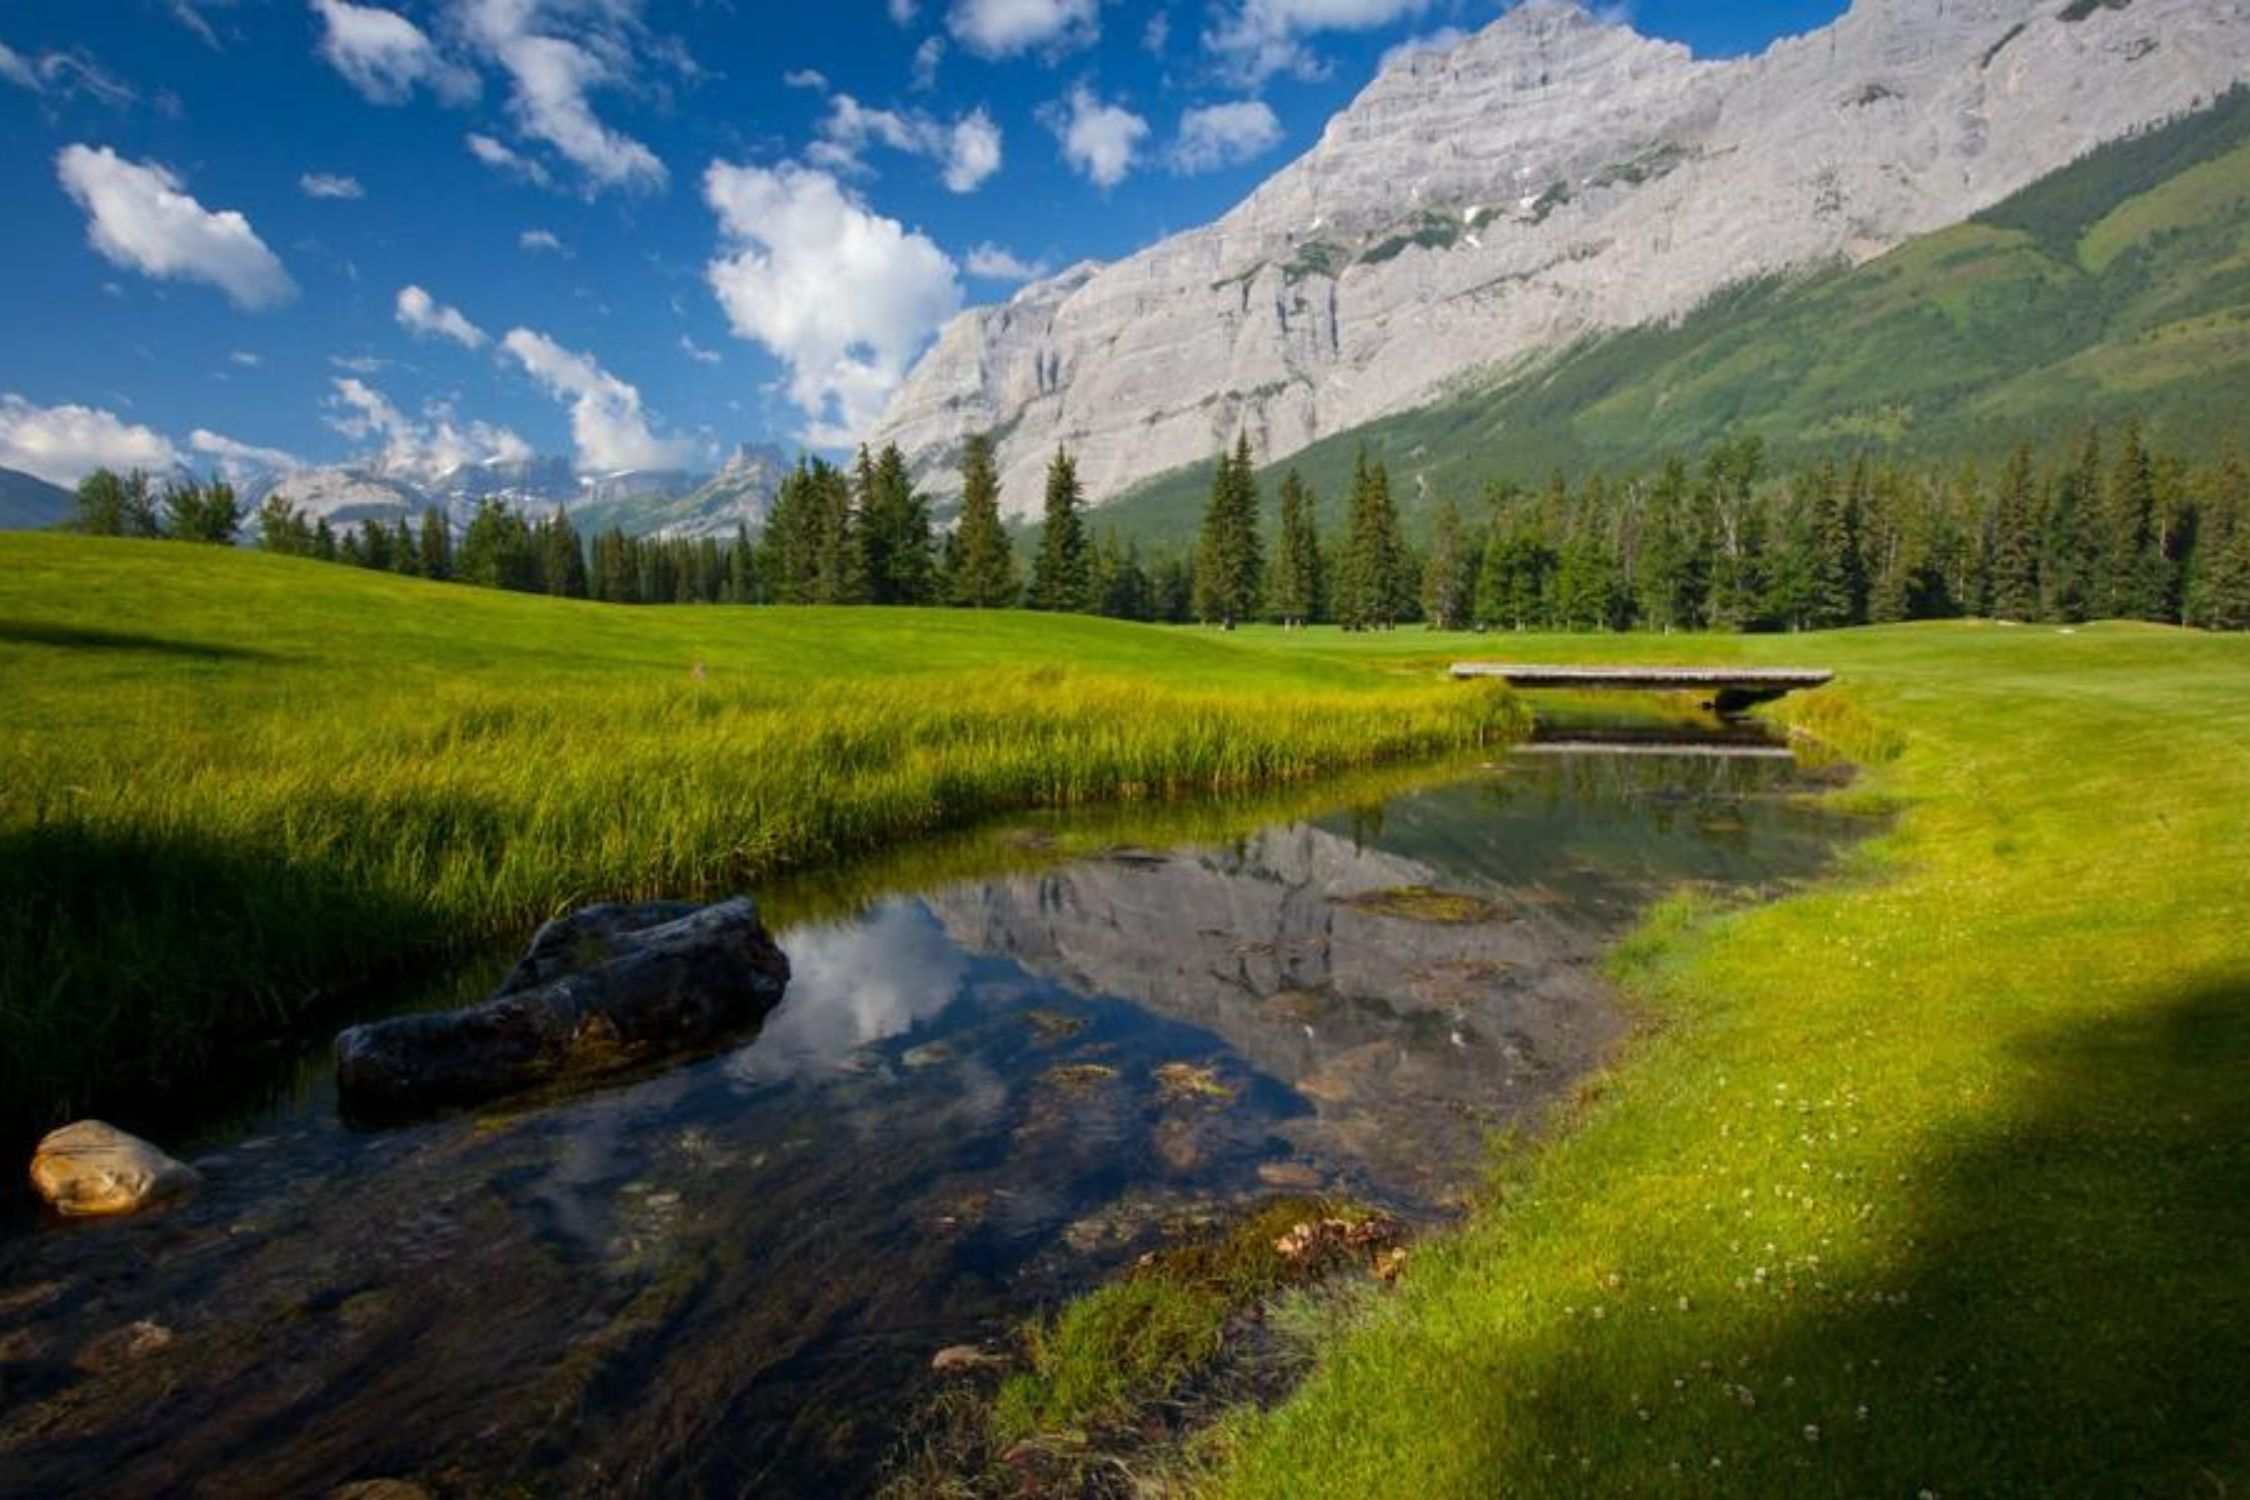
(730, 1276)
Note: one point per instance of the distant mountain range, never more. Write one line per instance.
(679, 503)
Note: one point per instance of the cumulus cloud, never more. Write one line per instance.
(63, 444)
(1102, 142)
(386, 57)
(330, 185)
(555, 53)
(541, 239)
(697, 352)
(606, 420)
(843, 296)
(138, 217)
(1004, 28)
(968, 150)
(237, 462)
(1255, 39)
(424, 316)
(989, 262)
(1224, 135)
(805, 78)
(63, 74)
(509, 163)
(246, 359)
(903, 12)
(427, 448)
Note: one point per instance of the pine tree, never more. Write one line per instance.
(1229, 564)
(1372, 590)
(984, 573)
(894, 532)
(1294, 580)
(2012, 576)
(562, 557)
(2128, 523)
(840, 575)
(324, 541)
(1449, 573)
(1060, 574)
(406, 557)
(437, 545)
(282, 528)
(1173, 590)
(201, 512)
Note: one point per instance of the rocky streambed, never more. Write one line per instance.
(731, 1275)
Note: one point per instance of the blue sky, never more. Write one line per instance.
(636, 231)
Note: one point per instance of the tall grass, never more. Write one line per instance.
(210, 850)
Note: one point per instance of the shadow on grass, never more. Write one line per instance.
(2070, 1315)
(76, 638)
(139, 975)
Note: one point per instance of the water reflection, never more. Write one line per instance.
(730, 1275)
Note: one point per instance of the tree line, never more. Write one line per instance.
(2107, 529)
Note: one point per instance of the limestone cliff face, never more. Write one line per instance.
(1550, 177)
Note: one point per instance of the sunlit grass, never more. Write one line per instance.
(236, 784)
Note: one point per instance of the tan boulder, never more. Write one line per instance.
(91, 1168)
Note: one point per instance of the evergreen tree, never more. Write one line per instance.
(1371, 588)
(2224, 599)
(437, 545)
(1449, 575)
(562, 557)
(1229, 565)
(1173, 589)
(202, 512)
(984, 571)
(110, 506)
(1294, 580)
(894, 536)
(2127, 532)
(375, 546)
(1060, 575)
(1828, 603)
(324, 541)
(840, 575)
(406, 557)
(2013, 576)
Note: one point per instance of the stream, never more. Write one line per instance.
(978, 1097)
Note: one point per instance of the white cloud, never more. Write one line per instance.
(63, 444)
(1224, 135)
(1003, 28)
(184, 12)
(500, 158)
(1158, 33)
(541, 239)
(237, 462)
(606, 419)
(246, 359)
(427, 448)
(1444, 39)
(903, 12)
(1259, 38)
(66, 74)
(555, 52)
(969, 148)
(698, 353)
(137, 217)
(359, 364)
(927, 57)
(989, 262)
(330, 185)
(421, 314)
(806, 78)
(385, 56)
(845, 297)
(1100, 141)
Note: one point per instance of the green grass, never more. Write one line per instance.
(233, 786)
(1935, 1179)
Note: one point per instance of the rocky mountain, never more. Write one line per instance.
(641, 502)
(1479, 211)
(29, 503)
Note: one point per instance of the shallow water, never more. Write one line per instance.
(729, 1276)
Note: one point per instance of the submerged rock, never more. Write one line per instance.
(91, 1168)
(601, 989)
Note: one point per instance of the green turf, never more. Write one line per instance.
(1935, 1180)
(232, 785)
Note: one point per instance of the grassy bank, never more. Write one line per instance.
(232, 784)
(1933, 1181)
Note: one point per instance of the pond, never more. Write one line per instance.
(980, 1094)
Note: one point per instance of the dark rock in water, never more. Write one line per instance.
(601, 989)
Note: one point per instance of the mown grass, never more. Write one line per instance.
(232, 786)
(1933, 1180)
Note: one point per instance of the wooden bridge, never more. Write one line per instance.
(1731, 688)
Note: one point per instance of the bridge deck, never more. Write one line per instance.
(1650, 679)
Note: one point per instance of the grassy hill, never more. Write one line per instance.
(2119, 285)
(234, 784)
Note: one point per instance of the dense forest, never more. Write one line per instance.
(2109, 529)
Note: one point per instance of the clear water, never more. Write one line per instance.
(729, 1276)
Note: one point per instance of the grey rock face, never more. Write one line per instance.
(1551, 177)
(605, 988)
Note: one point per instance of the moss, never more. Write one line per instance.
(1179, 1081)
(1077, 1078)
(1052, 1026)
